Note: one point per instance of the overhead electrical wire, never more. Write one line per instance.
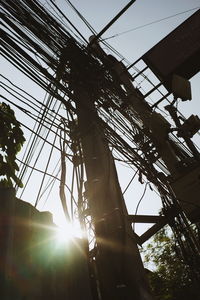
(112, 21)
(38, 104)
(54, 177)
(94, 32)
(57, 39)
(45, 171)
(60, 20)
(29, 129)
(42, 146)
(128, 185)
(81, 17)
(68, 20)
(49, 181)
(33, 142)
(150, 23)
(143, 194)
(38, 170)
(63, 177)
(26, 110)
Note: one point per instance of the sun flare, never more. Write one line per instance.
(67, 232)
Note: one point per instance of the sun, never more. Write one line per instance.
(66, 232)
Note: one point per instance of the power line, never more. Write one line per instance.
(143, 194)
(130, 182)
(112, 21)
(148, 24)
(81, 17)
(47, 174)
(120, 127)
(46, 168)
(68, 20)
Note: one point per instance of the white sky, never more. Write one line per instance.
(131, 45)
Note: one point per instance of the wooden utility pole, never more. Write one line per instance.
(120, 270)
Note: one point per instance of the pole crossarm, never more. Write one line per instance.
(152, 230)
(160, 222)
(145, 219)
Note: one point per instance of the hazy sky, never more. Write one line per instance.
(131, 45)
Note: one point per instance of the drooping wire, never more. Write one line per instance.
(138, 204)
(63, 176)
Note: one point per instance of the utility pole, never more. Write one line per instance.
(120, 270)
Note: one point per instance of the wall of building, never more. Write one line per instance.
(33, 265)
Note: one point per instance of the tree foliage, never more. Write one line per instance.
(11, 141)
(171, 278)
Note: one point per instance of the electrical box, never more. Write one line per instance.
(181, 88)
(187, 191)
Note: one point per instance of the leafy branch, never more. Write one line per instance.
(11, 142)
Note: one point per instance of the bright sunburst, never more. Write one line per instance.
(67, 232)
